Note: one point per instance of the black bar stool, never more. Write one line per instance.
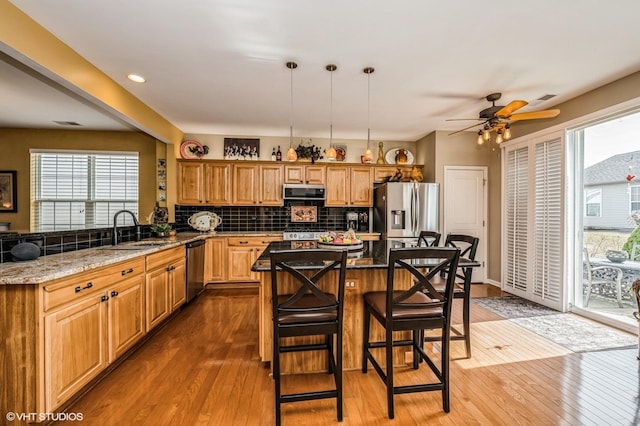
(419, 308)
(308, 310)
(429, 239)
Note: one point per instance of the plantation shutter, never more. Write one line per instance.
(516, 226)
(548, 230)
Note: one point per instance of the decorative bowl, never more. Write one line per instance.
(616, 256)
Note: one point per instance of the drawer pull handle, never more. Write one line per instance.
(114, 293)
(244, 242)
(104, 298)
(128, 271)
(170, 268)
(79, 289)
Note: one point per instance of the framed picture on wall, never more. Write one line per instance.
(241, 149)
(8, 191)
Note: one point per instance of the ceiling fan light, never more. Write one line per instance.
(480, 139)
(486, 134)
(499, 138)
(507, 133)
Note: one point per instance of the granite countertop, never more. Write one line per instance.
(47, 268)
(374, 255)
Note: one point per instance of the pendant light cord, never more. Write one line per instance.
(291, 110)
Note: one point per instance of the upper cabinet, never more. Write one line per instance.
(204, 183)
(297, 173)
(349, 186)
(258, 184)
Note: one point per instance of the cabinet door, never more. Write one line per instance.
(178, 283)
(314, 175)
(126, 315)
(190, 183)
(215, 260)
(293, 174)
(75, 348)
(245, 184)
(337, 192)
(271, 178)
(240, 261)
(361, 189)
(157, 297)
(216, 185)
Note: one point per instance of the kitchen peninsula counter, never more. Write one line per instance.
(366, 271)
(48, 268)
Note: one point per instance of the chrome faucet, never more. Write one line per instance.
(114, 236)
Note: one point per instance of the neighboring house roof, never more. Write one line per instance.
(614, 169)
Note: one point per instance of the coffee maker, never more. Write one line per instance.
(363, 222)
(352, 220)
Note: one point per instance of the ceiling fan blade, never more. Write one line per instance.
(464, 119)
(509, 109)
(467, 128)
(548, 113)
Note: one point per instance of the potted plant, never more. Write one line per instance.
(161, 229)
(309, 151)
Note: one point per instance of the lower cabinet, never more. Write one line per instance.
(166, 284)
(242, 252)
(215, 265)
(89, 321)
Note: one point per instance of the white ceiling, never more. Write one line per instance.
(218, 66)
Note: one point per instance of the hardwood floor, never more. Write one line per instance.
(202, 368)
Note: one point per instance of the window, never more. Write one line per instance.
(75, 190)
(634, 198)
(593, 202)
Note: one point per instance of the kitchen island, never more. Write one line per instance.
(366, 271)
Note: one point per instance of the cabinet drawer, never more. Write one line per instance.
(252, 241)
(72, 288)
(162, 258)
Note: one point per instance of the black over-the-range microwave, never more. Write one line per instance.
(303, 192)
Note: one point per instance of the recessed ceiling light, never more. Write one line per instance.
(137, 78)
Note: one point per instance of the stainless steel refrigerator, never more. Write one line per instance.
(402, 210)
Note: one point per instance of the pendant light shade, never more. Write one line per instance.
(291, 153)
(331, 151)
(368, 155)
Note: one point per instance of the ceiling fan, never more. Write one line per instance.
(499, 118)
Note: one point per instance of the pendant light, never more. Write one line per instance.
(331, 151)
(291, 153)
(368, 155)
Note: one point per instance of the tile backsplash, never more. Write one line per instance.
(234, 219)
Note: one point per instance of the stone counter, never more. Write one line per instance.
(47, 268)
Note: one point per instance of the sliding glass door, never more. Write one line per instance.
(604, 187)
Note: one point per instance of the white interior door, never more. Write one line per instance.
(465, 208)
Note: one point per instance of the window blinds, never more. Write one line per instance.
(72, 190)
(517, 217)
(548, 268)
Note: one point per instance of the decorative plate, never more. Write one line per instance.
(204, 221)
(190, 148)
(390, 156)
(358, 245)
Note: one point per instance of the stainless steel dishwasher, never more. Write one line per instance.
(195, 269)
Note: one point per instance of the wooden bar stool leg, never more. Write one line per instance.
(389, 355)
(365, 338)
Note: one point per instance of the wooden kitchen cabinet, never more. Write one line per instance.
(75, 347)
(350, 186)
(165, 284)
(204, 183)
(258, 184)
(313, 175)
(215, 265)
(383, 173)
(242, 253)
(126, 315)
(89, 320)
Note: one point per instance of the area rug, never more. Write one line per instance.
(567, 330)
(513, 307)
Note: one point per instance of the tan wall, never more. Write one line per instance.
(15, 145)
(438, 150)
